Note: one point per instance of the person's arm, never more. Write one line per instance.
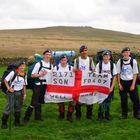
(92, 66)
(75, 65)
(118, 75)
(9, 88)
(6, 81)
(24, 92)
(119, 83)
(113, 84)
(134, 82)
(113, 78)
(135, 74)
(36, 74)
(97, 68)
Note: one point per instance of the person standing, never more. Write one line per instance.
(41, 74)
(64, 67)
(106, 66)
(127, 69)
(15, 83)
(85, 64)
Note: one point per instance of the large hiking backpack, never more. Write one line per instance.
(131, 64)
(31, 81)
(11, 67)
(99, 55)
(56, 55)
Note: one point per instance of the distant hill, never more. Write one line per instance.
(25, 42)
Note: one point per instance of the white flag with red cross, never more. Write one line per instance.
(85, 87)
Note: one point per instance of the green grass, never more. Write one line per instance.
(53, 129)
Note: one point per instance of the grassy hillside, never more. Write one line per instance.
(25, 42)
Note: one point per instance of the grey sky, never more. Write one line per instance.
(120, 15)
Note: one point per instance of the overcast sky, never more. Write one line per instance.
(120, 15)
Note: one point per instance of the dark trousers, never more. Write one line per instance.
(38, 95)
(133, 96)
(104, 107)
(36, 101)
(78, 110)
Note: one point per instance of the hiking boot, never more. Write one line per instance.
(100, 116)
(137, 117)
(38, 113)
(89, 112)
(17, 119)
(78, 111)
(4, 121)
(107, 116)
(69, 116)
(61, 116)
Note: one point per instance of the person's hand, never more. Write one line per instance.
(24, 97)
(10, 89)
(74, 70)
(132, 87)
(111, 89)
(93, 70)
(120, 87)
(42, 73)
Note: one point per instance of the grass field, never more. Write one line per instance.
(24, 43)
(53, 129)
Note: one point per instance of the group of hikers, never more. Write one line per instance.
(125, 72)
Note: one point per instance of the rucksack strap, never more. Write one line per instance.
(77, 63)
(121, 63)
(41, 66)
(14, 77)
(111, 67)
(57, 67)
(90, 63)
(131, 62)
(69, 67)
(100, 66)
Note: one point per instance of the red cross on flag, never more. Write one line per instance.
(85, 87)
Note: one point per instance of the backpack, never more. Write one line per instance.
(90, 63)
(56, 55)
(57, 67)
(111, 67)
(11, 67)
(31, 81)
(99, 55)
(131, 64)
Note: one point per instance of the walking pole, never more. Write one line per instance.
(10, 102)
